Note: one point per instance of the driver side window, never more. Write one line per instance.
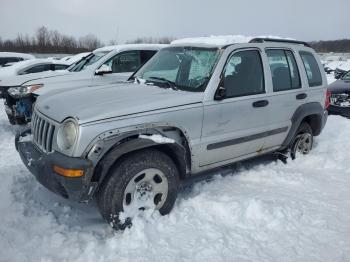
(124, 62)
(244, 74)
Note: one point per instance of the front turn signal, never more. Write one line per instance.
(68, 172)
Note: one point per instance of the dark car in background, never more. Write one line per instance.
(340, 96)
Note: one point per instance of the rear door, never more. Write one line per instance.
(236, 126)
(288, 92)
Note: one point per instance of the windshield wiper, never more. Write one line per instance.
(171, 84)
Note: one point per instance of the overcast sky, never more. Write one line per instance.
(123, 20)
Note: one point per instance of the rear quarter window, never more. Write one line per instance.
(312, 69)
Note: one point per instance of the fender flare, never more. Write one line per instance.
(176, 151)
(310, 109)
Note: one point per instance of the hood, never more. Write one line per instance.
(340, 86)
(102, 102)
(24, 79)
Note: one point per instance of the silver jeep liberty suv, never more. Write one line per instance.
(191, 108)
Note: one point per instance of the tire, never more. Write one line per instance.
(113, 196)
(303, 141)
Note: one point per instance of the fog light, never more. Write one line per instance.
(68, 172)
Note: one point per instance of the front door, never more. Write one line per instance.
(123, 65)
(237, 125)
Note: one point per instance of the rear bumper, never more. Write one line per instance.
(41, 164)
(338, 110)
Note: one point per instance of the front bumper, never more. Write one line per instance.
(19, 110)
(41, 164)
(339, 110)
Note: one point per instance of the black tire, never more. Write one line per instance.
(110, 197)
(303, 129)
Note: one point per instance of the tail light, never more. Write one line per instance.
(328, 99)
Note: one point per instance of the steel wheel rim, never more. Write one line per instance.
(304, 143)
(148, 189)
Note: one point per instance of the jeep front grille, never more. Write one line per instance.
(42, 132)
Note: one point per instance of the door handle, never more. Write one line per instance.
(301, 96)
(260, 103)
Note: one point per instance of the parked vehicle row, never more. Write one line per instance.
(191, 108)
(107, 65)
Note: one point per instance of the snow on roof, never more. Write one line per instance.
(220, 40)
(12, 54)
(130, 46)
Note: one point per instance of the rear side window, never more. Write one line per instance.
(284, 70)
(37, 69)
(312, 70)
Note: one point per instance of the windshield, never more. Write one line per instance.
(86, 61)
(184, 68)
(346, 76)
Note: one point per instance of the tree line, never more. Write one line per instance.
(50, 41)
(337, 46)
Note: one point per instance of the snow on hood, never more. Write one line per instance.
(102, 102)
(220, 40)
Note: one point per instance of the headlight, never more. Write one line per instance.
(67, 135)
(22, 91)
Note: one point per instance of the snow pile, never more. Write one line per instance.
(344, 65)
(264, 211)
(220, 40)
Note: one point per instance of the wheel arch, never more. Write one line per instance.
(177, 149)
(313, 114)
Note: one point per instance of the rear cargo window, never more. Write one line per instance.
(312, 70)
(284, 70)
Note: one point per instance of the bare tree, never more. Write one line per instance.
(43, 38)
(89, 42)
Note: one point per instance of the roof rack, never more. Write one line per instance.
(262, 40)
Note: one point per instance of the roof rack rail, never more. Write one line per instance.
(262, 40)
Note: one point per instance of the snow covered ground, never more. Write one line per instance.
(263, 211)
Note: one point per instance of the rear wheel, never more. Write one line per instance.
(143, 180)
(303, 141)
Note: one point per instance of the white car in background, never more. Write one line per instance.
(106, 65)
(11, 57)
(32, 66)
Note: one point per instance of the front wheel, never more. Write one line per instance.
(143, 180)
(303, 141)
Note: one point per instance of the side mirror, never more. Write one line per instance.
(104, 69)
(220, 93)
